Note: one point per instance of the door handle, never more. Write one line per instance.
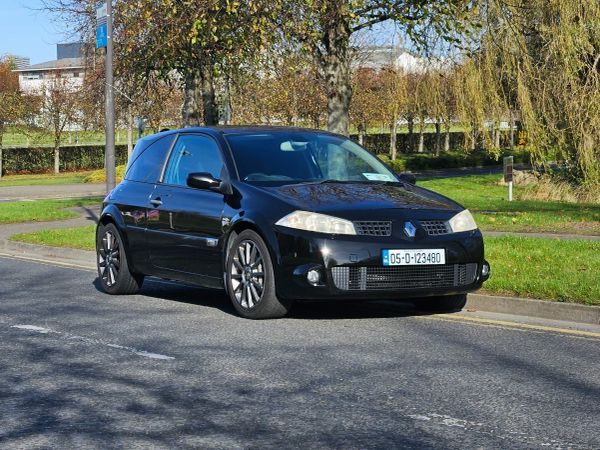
(156, 201)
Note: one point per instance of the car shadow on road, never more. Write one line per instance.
(182, 293)
(365, 309)
(301, 310)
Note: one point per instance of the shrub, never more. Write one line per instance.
(99, 176)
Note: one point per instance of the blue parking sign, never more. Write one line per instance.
(101, 35)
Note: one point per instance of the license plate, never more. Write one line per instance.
(414, 257)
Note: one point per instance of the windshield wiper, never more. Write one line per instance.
(371, 182)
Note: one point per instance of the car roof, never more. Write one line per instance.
(231, 129)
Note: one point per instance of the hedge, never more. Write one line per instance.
(91, 157)
(72, 159)
(380, 143)
(452, 160)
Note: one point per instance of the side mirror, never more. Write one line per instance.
(203, 180)
(409, 178)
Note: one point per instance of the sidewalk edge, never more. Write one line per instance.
(544, 309)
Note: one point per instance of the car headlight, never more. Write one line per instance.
(320, 223)
(463, 221)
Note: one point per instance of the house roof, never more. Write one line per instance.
(65, 63)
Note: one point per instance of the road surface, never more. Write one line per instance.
(174, 367)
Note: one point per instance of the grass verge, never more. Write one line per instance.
(81, 238)
(492, 211)
(553, 269)
(565, 271)
(42, 210)
(43, 179)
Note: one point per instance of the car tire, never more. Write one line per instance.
(113, 268)
(250, 279)
(444, 303)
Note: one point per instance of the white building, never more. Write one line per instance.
(69, 64)
(379, 57)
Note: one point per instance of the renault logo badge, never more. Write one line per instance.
(410, 229)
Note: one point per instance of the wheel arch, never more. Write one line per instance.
(237, 228)
(111, 215)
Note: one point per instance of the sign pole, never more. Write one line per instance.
(110, 106)
(508, 175)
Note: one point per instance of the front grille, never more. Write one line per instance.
(435, 227)
(354, 278)
(373, 228)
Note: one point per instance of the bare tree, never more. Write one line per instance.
(60, 108)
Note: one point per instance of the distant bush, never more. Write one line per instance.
(451, 160)
(72, 159)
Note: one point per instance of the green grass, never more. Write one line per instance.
(44, 179)
(42, 210)
(81, 238)
(492, 211)
(561, 270)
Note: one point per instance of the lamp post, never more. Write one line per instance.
(104, 39)
(110, 105)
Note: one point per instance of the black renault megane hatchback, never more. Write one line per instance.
(277, 215)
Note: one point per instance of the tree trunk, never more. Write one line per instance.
(56, 156)
(394, 138)
(316, 123)
(1, 147)
(335, 62)
(447, 140)
(421, 136)
(411, 134)
(497, 136)
(129, 132)
(512, 131)
(207, 89)
(438, 137)
(227, 109)
(189, 109)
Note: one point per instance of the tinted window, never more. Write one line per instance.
(148, 165)
(193, 153)
(291, 157)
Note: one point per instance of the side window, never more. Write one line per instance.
(193, 153)
(148, 165)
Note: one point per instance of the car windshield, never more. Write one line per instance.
(303, 157)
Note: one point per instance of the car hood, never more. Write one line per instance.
(343, 196)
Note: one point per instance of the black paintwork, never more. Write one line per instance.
(182, 233)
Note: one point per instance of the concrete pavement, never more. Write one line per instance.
(15, 193)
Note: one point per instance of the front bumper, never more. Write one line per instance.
(351, 266)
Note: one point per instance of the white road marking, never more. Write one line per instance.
(419, 417)
(91, 341)
(32, 328)
(478, 427)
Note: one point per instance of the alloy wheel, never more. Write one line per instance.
(247, 274)
(109, 259)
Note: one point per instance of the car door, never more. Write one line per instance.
(131, 196)
(184, 224)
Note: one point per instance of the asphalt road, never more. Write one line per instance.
(175, 368)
